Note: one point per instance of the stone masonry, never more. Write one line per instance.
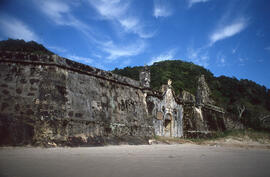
(49, 100)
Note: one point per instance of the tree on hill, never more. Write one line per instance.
(22, 46)
(229, 93)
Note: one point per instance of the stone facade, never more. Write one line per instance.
(167, 113)
(49, 100)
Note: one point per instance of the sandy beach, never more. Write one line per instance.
(133, 161)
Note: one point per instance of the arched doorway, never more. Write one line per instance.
(168, 125)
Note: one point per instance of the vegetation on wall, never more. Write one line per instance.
(248, 101)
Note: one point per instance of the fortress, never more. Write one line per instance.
(49, 100)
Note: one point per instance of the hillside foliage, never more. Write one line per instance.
(229, 93)
(22, 46)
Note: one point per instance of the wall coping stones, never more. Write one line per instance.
(64, 63)
(60, 62)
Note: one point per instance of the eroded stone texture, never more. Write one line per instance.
(203, 92)
(145, 77)
(49, 100)
(185, 96)
(167, 113)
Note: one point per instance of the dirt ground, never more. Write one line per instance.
(133, 161)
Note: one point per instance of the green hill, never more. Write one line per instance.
(227, 92)
(22, 46)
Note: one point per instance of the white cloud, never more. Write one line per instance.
(227, 31)
(267, 48)
(119, 11)
(169, 55)
(161, 9)
(242, 61)
(234, 50)
(126, 62)
(80, 59)
(60, 13)
(221, 60)
(116, 51)
(192, 2)
(198, 56)
(14, 28)
(129, 23)
(260, 60)
(57, 49)
(86, 60)
(110, 9)
(56, 10)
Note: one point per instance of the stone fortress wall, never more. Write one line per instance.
(52, 99)
(48, 100)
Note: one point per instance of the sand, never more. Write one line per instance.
(135, 161)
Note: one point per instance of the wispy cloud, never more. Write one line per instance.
(14, 28)
(119, 11)
(192, 2)
(126, 62)
(234, 50)
(260, 60)
(87, 60)
(221, 59)
(80, 59)
(198, 56)
(242, 61)
(57, 11)
(117, 51)
(57, 49)
(267, 48)
(227, 31)
(111, 9)
(161, 9)
(169, 55)
(60, 13)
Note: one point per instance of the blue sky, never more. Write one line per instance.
(228, 37)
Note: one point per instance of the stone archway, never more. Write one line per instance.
(168, 125)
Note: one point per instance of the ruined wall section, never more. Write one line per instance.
(202, 121)
(49, 99)
(159, 108)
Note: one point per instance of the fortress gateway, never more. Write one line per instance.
(46, 99)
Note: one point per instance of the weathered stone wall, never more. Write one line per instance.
(48, 99)
(201, 122)
(159, 110)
